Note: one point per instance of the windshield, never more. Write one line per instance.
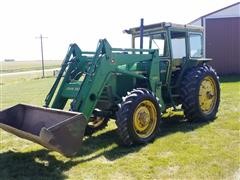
(159, 41)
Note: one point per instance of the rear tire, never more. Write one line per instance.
(138, 118)
(200, 93)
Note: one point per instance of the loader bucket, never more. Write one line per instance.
(57, 130)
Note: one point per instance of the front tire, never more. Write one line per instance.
(138, 118)
(200, 93)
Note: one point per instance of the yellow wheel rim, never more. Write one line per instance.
(145, 119)
(207, 95)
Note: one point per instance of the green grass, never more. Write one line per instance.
(19, 66)
(183, 151)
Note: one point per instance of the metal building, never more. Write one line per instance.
(222, 38)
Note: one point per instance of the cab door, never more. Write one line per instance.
(178, 42)
(160, 41)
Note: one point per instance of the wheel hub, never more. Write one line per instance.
(209, 95)
(144, 119)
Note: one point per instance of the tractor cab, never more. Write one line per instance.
(172, 40)
(179, 47)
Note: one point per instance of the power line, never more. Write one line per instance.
(41, 40)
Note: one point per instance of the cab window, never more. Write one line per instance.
(196, 49)
(178, 41)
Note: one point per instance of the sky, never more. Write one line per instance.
(85, 22)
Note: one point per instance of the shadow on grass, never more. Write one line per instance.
(32, 165)
(103, 142)
(177, 123)
(42, 165)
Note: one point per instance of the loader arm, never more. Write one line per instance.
(83, 90)
(73, 51)
(94, 81)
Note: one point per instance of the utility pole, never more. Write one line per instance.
(41, 40)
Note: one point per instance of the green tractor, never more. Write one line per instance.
(133, 86)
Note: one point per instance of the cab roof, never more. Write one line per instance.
(155, 28)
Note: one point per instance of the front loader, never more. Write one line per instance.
(133, 86)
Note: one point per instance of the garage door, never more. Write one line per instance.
(223, 44)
